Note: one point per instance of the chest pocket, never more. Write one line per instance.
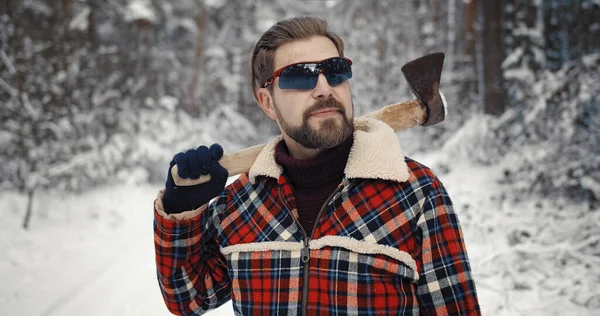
(360, 257)
(346, 274)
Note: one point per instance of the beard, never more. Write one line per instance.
(332, 132)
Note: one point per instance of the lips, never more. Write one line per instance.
(325, 112)
(324, 108)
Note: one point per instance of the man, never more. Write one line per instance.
(330, 219)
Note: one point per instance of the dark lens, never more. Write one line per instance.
(336, 70)
(299, 76)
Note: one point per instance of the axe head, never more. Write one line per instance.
(423, 77)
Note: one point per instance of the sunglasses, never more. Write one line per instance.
(304, 76)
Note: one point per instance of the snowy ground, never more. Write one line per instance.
(92, 254)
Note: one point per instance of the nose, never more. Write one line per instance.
(322, 90)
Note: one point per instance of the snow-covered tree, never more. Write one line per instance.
(98, 91)
(553, 98)
(68, 104)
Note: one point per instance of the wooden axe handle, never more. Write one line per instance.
(398, 116)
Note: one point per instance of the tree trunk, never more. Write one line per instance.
(29, 211)
(436, 14)
(91, 31)
(494, 96)
(450, 39)
(470, 19)
(468, 58)
(190, 105)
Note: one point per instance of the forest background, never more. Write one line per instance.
(95, 93)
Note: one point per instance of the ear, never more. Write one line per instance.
(265, 100)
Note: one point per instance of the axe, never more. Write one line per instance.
(429, 108)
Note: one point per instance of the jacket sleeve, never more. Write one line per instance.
(192, 272)
(445, 285)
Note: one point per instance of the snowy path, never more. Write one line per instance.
(122, 283)
(96, 258)
(124, 286)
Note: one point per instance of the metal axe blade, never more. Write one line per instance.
(423, 77)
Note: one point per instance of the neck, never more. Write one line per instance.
(298, 151)
(313, 173)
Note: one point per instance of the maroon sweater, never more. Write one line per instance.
(313, 179)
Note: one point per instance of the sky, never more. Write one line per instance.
(92, 253)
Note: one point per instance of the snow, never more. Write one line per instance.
(93, 254)
(214, 3)
(331, 3)
(591, 59)
(591, 184)
(38, 7)
(521, 73)
(513, 58)
(140, 10)
(189, 25)
(90, 254)
(6, 87)
(80, 21)
(168, 102)
(9, 65)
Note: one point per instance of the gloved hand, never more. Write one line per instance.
(193, 164)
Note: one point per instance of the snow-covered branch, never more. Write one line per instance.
(9, 65)
(12, 91)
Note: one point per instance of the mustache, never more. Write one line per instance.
(323, 104)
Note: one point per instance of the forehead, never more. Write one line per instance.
(310, 49)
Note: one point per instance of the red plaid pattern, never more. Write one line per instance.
(379, 247)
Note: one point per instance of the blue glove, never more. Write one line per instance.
(193, 164)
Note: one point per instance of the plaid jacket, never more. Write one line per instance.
(386, 242)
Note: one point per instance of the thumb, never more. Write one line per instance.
(218, 173)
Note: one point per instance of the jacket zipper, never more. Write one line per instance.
(305, 253)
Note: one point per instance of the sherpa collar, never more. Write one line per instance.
(375, 154)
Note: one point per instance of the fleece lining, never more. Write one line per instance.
(375, 154)
(348, 243)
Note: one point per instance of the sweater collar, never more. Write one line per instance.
(375, 154)
(327, 165)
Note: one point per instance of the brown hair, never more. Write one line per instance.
(285, 31)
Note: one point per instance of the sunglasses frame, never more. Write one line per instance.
(277, 73)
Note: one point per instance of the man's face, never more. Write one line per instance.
(315, 119)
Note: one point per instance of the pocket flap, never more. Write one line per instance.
(402, 263)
